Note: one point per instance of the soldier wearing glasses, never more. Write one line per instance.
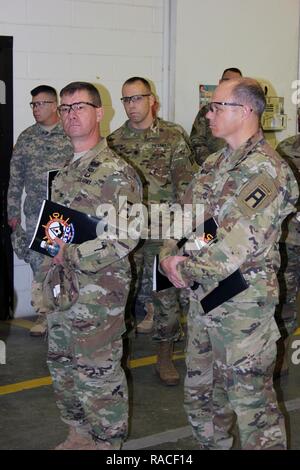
(41, 147)
(161, 154)
(85, 337)
(249, 190)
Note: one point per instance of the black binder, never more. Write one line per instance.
(227, 288)
(70, 225)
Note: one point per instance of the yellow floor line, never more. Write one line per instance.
(297, 332)
(26, 385)
(20, 322)
(36, 383)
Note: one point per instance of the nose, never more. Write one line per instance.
(209, 114)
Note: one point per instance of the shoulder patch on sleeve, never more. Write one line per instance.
(257, 194)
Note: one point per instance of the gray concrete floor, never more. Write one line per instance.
(30, 420)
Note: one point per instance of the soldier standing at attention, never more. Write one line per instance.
(161, 154)
(85, 340)
(289, 275)
(249, 190)
(202, 140)
(40, 148)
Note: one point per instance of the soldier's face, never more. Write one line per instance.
(224, 119)
(84, 122)
(138, 110)
(45, 110)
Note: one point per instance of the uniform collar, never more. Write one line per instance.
(233, 157)
(151, 132)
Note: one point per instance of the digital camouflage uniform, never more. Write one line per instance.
(202, 140)
(289, 273)
(163, 159)
(36, 152)
(85, 345)
(231, 350)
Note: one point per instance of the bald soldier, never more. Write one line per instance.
(249, 190)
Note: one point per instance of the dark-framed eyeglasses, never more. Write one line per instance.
(64, 109)
(133, 98)
(214, 105)
(39, 104)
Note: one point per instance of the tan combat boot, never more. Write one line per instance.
(40, 326)
(146, 325)
(165, 367)
(75, 441)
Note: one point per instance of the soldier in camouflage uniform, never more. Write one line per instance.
(161, 154)
(202, 140)
(85, 341)
(40, 148)
(231, 350)
(289, 276)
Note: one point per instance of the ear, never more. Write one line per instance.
(152, 99)
(99, 113)
(247, 112)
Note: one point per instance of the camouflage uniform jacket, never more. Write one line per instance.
(289, 149)
(249, 192)
(202, 140)
(99, 177)
(161, 156)
(36, 152)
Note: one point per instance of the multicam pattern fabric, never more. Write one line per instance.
(202, 140)
(288, 275)
(36, 152)
(249, 192)
(85, 346)
(163, 159)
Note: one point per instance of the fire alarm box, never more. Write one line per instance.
(273, 118)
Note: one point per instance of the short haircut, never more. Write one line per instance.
(248, 91)
(138, 79)
(232, 69)
(44, 89)
(72, 87)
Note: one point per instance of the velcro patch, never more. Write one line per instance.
(257, 194)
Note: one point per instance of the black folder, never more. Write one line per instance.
(226, 289)
(70, 225)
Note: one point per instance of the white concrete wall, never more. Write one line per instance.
(58, 41)
(105, 42)
(259, 36)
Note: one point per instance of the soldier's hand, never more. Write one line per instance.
(169, 265)
(13, 223)
(59, 258)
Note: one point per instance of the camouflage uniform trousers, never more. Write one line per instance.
(32, 257)
(84, 359)
(230, 361)
(166, 303)
(289, 282)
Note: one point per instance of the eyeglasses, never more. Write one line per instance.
(64, 109)
(39, 104)
(213, 106)
(134, 98)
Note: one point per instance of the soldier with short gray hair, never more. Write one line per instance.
(85, 334)
(249, 190)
